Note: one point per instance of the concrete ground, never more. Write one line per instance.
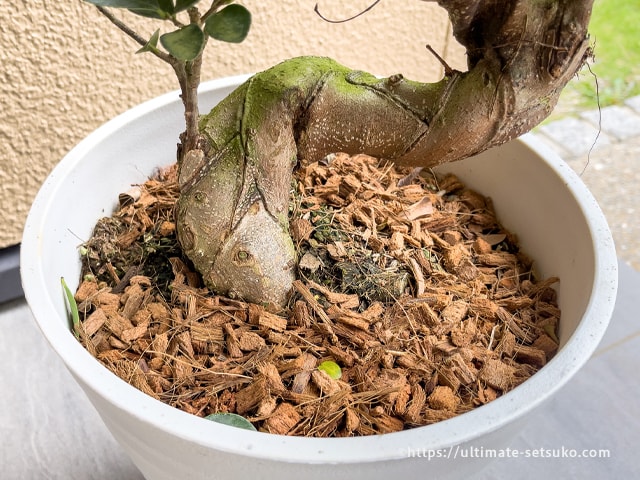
(608, 161)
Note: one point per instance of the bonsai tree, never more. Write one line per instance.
(235, 163)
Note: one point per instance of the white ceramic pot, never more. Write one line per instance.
(536, 195)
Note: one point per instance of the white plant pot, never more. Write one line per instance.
(536, 195)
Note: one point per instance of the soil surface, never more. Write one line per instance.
(406, 281)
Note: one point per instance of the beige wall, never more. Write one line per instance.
(66, 70)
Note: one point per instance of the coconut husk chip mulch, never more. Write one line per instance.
(406, 281)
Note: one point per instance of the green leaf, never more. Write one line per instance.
(71, 303)
(184, 4)
(156, 13)
(145, 8)
(184, 44)
(231, 24)
(167, 6)
(232, 420)
(331, 368)
(143, 4)
(152, 44)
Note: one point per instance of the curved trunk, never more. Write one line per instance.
(232, 213)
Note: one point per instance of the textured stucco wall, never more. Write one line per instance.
(66, 70)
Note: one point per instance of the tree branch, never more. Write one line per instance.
(135, 36)
(448, 71)
(317, 10)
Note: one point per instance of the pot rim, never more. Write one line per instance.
(442, 435)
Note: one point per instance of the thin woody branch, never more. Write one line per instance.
(448, 71)
(134, 35)
(187, 73)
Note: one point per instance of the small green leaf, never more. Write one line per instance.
(331, 368)
(157, 14)
(167, 6)
(152, 44)
(143, 4)
(231, 24)
(184, 4)
(232, 420)
(145, 8)
(71, 303)
(184, 44)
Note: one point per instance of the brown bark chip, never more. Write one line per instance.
(419, 296)
(351, 420)
(273, 322)
(274, 381)
(547, 345)
(455, 312)
(324, 382)
(301, 379)
(284, 418)
(443, 398)
(497, 374)
(94, 322)
(86, 290)
(232, 342)
(530, 355)
(249, 397)
(251, 341)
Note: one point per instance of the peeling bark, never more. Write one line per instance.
(232, 213)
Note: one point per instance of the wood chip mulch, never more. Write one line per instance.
(415, 291)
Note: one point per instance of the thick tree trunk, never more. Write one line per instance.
(232, 213)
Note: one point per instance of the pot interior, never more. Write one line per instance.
(535, 194)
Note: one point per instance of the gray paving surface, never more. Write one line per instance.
(604, 148)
